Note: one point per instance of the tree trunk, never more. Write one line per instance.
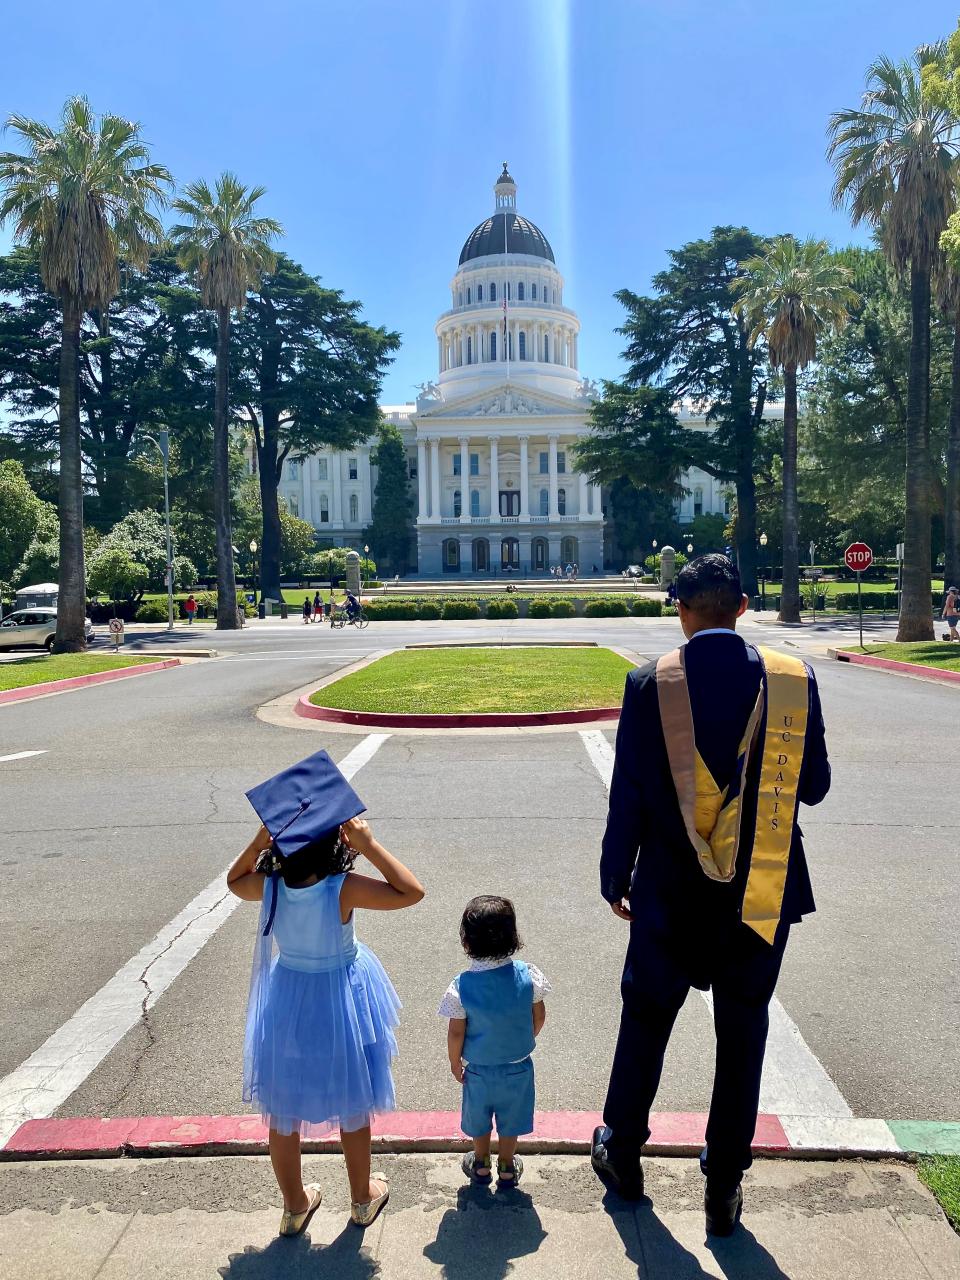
(790, 590)
(744, 433)
(951, 568)
(226, 576)
(71, 606)
(269, 477)
(916, 611)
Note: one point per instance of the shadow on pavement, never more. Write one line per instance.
(488, 1229)
(344, 1258)
(658, 1255)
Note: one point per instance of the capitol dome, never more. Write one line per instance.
(506, 233)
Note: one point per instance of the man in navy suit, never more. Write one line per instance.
(686, 929)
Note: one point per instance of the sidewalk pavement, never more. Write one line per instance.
(218, 1216)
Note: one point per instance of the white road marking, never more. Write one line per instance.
(22, 755)
(794, 1082)
(54, 1071)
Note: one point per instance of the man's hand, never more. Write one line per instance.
(622, 909)
(456, 1066)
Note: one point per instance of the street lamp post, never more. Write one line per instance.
(656, 561)
(366, 554)
(253, 552)
(163, 444)
(763, 571)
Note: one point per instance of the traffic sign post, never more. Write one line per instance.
(116, 632)
(858, 557)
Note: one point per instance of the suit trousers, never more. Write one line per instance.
(660, 968)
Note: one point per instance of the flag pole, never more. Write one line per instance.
(506, 290)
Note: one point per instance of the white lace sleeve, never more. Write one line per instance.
(450, 1006)
(541, 984)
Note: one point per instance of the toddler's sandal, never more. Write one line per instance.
(363, 1214)
(478, 1168)
(292, 1224)
(509, 1172)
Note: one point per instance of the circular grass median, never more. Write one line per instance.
(496, 682)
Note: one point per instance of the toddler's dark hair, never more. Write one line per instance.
(488, 929)
(327, 855)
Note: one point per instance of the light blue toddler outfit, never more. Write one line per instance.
(321, 1018)
(497, 997)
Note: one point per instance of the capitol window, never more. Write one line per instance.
(544, 502)
(457, 503)
(479, 292)
(493, 292)
(533, 292)
(561, 460)
(474, 503)
(321, 468)
(523, 343)
(469, 350)
(324, 509)
(468, 297)
(353, 469)
(474, 464)
(456, 464)
(354, 508)
(293, 469)
(544, 464)
(493, 344)
(698, 502)
(520, 292)
(546, 348)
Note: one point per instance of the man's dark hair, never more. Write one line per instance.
(710, 587)
(488, 929)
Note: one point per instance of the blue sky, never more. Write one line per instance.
(378, 127)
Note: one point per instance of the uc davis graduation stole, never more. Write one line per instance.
(713, 817)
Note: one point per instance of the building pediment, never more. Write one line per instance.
(506, 401)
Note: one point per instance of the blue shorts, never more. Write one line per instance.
(502, 1093)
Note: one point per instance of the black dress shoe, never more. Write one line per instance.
(722, 1210)
(627, 1182)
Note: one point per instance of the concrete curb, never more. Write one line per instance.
(914, 669)
(81, 682)
(494, 719)
(672, 1134)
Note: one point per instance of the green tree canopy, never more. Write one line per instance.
(21, 512)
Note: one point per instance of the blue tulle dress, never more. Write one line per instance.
(320, 1019)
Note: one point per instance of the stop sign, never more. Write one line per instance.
(858, 557)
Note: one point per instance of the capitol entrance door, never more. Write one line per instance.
(481, 555)
(510, 554)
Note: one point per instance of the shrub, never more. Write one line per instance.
(428, 611)
(606, 609)
(461, 609)
(101, 612)
(562, 609)
(502, 609)
(152, 611)
(645, 607)
(538, 608)
(668, 611)
(392, 610)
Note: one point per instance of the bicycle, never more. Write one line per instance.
(340, 618)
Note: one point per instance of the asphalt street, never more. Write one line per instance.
(137, 804)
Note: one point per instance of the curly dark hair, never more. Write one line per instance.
(327, 855)
(488, 929)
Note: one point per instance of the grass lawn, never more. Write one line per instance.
(923, 653)
(442, 681)
(942, 1175)
(38, 668)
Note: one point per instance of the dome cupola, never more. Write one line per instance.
(506, 231)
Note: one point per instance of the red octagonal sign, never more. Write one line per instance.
(858, 557)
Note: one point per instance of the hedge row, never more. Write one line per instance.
(499, 607)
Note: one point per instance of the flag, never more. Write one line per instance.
(504, 314)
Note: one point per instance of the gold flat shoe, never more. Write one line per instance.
(364, 1214)
(291, 1224)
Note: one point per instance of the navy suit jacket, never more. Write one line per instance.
(646, 854)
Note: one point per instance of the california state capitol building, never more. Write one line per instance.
(490, 441)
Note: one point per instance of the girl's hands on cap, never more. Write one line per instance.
(356, 832)
(261, 841)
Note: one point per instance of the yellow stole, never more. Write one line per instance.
(712, 817)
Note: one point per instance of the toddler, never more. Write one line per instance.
(495, 1010)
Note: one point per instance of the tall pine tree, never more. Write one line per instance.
(389, 536)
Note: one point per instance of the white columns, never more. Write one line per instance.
(336, 476)
(464, 479)
(597, 508)
(584, 499)
(494, 479)
(524, 480)
(435, 481)
(440, 354)
(554, 507)
(422, 512)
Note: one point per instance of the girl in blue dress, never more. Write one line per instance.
(322, 1012)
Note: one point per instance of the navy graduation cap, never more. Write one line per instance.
(300, 804)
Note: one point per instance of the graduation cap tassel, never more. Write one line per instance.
(275, 877)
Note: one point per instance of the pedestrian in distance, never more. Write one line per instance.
(190, 608)
(496, 1011)
(576, 572)
(307, 611)
(317, 607)
(951, 612)
(702, 855)
(322, 1012)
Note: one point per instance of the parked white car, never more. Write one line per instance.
(34, 628)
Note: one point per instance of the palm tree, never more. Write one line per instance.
(896, 166)
(229, 248)
(790, 295)
(81, 198)
(946, 286)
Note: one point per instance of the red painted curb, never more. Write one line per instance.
(488, 720)
(907, 668)
(556, 1131)
(79, 682)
